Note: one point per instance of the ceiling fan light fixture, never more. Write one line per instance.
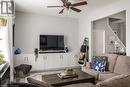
(68, 5)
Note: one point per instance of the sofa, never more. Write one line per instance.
(118, 74)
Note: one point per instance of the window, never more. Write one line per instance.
(3, 42)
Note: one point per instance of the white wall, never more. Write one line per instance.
(30, 26)
(100, 24)
(123, 32)
(85, 27)
(98, 42)
(121, 15)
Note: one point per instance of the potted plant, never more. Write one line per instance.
(1, 58)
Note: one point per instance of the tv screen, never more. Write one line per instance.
(51, 42)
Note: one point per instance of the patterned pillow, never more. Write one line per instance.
(99, 63)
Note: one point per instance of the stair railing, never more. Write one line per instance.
(120, 42)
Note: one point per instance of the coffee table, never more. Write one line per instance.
(52, 80)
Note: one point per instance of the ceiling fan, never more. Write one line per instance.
(68, 5)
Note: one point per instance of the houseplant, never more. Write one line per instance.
(1, 58)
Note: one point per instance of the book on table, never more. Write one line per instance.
(64, 75)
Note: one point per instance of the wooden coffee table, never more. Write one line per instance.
(52, 80)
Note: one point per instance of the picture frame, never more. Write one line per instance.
(7, 7)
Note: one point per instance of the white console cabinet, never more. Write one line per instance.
(49, 61)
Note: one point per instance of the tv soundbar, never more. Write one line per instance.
(52, 51)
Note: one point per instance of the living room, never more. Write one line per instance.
(32, 20)
(31, 27)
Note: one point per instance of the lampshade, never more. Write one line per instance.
(3, 22)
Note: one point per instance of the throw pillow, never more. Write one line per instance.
(99, 63)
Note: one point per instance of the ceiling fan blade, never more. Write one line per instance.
(54, 6)
(61, 11)
(75, 9)
(64, 2)
(80, 3)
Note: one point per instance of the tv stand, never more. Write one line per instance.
(48, 61)
(52, 51)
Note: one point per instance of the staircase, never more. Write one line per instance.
(114, 44)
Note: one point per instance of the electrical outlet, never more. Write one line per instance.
(25, 58)
(61, 56)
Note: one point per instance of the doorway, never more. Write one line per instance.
(98, 42)
(109, 34)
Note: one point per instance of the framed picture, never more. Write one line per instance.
(7, 7)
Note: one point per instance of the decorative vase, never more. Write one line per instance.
(36, 53)
(66, 49)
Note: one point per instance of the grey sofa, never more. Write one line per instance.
(117, 76)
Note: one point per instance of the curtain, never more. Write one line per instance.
(4, 42)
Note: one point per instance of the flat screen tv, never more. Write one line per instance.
(51, 42)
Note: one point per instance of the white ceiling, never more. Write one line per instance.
(40, 6)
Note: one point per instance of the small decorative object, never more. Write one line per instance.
(36, 53)
(1, 58)
(3, 22)
(66, 49)
(68, 73)
(84, 52)
(117, 45)
(17, 51)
